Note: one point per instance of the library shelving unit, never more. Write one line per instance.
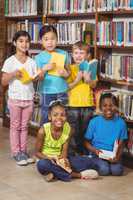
(106, 25)
(115, 46)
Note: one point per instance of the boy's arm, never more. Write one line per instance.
(118, 153)
(89, 147)
(93, 83)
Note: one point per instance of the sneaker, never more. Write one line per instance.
(89, 174)
(29, 159)
(20, 160)
(49, 177)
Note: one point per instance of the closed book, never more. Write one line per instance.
(25, 76)
(59, 61)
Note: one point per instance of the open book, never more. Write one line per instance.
(59, 60)
(109, 154)
(26, 78)
(63, 164)
(90, 67)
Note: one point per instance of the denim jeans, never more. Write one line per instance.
(78, 164)
(79, 119)
(45, 101)
(105, 167)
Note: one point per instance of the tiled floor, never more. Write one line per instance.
(24, 183)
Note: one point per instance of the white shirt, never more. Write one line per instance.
(17, 90)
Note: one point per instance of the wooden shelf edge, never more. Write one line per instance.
(70, 15)
(118, 82)
(115, 47)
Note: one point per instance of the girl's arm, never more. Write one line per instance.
(89, 147)
(39, 143)
(7, 77)
(64, 152)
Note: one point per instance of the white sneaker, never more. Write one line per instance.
(89, 174)
(20, 160)
(29, 159)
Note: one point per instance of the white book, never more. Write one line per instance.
(105, 154)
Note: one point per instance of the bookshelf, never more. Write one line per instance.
(2, 50)
(110, 24)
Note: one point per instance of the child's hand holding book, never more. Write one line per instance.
(64, 163)
(110, 155)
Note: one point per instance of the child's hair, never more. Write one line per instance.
(110, 96)
(15, 38)
(80, 45)
(46, 29)
(56, 103)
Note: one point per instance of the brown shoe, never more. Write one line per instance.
(49, 177)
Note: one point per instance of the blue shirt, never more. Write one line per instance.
(102, 133)
(51, 84)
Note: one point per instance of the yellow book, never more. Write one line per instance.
(26, 78)
(59, 60)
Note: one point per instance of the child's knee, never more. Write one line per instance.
(43, 165)
(117, 170)
(104, 170)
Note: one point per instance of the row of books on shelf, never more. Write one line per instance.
(117, 32)
(33, 29)
(34, 7)
(114, 5)
(125, 98)
(68, 6)
(23, 7)
(68, 31)
(85, 6)
(118, 67)
(129, 143)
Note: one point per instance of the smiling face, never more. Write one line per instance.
(108, 108)
(22, 44)
(57, 116)
(49, 41)
(79, 55)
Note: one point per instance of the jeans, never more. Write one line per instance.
(79, 119)
(45, 101)
(105, 167)
(78, 164)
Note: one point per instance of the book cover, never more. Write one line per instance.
(63, 164)
(26, 78)
(90, 67)
(104, 154)
(59, 60)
